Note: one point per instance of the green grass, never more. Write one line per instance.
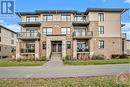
(97, 62)
(6, 63)
(108, 81)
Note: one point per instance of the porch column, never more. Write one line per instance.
(18, 50)
(63, 48)
(37, 52)
(74, 49)
(92, 47)
(48, 48)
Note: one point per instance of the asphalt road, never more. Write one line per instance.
(49, 70)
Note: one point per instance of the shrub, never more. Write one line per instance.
(98, 57)
(42, 58)
(67, 57)
(119, 56)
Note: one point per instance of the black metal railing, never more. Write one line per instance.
(28, 35)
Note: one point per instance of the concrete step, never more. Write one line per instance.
(55, 60)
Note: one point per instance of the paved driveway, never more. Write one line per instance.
(62, 71)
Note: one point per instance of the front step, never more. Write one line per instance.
(56, 56)
(55, 60)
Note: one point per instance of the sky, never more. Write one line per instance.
(80, 5)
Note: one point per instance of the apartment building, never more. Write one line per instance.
(96, 31)
(8, 40)
(128, 47)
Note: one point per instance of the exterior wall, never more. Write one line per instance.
(112, 34)
(111, 46)
(6, 50)
(56, 26)
(5, 43)
(6, 37)
(128, 47)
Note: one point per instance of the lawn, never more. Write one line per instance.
(97, 62)
(6, 63)
(106, 81)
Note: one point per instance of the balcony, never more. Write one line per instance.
(86, 35)
(26, 51)
(30, 24)
(29, 35)
(80, 21)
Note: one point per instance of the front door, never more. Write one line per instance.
(56, 46)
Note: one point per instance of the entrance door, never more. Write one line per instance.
(53, 47)
(59, 47)
(56, 46)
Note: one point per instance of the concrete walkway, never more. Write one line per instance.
(54, 61)
(56, 69)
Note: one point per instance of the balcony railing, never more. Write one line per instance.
(82, 35)
(82, 50)
(27, 50)
(30, 24)
(29, 35)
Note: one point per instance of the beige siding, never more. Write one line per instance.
(6, 37)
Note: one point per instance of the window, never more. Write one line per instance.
(101, 16)
(80, 18)
(65, 17)
(65, 30)
(80, 31)
(82, 46)
(47, 30)
(32, 19)
(47, 18)
(101, 44)
(12, 41)
(68, 44)
(101, 29)
(0, 48)
(44, 46)
(0, 39)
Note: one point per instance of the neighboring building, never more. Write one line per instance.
(128, 47)
(124, 43)
(8, 40)
(69, 32)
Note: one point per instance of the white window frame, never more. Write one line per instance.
(31, 18)
(101, 29)
(67, 17)
(47, 17)
(101, 17)
(47, 31)
(101, 44)
(65, 30)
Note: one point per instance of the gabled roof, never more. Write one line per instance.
(1, 26)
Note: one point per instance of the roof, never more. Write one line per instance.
(122, 10)
(8, 29)
(37, 12)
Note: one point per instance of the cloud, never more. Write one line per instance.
(127, 1)
(13, 27)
